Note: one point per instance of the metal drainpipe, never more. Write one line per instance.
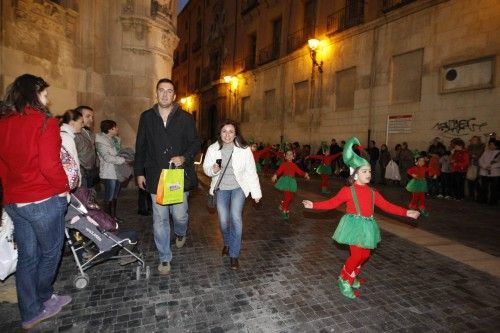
(373, 71)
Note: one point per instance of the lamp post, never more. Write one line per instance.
(313, 44)
(232, 81)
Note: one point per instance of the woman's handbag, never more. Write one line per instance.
(8, 251)
(212, 198)
(70, 167)
(472, 172)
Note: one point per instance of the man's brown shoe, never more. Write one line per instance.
(225, 251)
(233, 263)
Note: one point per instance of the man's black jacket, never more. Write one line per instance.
(156, 144)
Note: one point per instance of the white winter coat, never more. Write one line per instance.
(68, 142)
(488, 159)
(243, 165)
(108, 156)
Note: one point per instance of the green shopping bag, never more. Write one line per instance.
(170, 187)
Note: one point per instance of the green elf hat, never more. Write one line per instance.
(350, 158)
(324, 147)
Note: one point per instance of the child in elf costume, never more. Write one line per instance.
(357, 228)
(417, 186)
(258, 154)
(325, 168)
(287, 182)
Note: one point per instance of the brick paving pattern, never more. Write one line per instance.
(287, 282)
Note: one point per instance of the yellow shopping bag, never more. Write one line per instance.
(170, 187)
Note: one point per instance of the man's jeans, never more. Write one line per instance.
(230, 205)
(39, 234)
(161, 224)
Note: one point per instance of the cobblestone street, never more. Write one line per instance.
(287, 280)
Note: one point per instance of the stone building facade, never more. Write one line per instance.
(387, 70)
(106, 54)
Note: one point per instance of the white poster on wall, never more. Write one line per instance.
(399, 123)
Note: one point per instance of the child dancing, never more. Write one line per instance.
(325, 167)
(417, 186)
(358, 227)
(286, 182)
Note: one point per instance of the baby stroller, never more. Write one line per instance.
(101, 239)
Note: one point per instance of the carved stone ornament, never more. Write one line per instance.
(129, 7)
(46, 15)
(161, 9)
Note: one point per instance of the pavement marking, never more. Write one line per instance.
(479, 260)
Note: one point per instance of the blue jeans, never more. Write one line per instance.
(111, 189)
(161, 224)
(230, 205)
(39, 234)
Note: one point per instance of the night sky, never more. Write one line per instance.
(181, 4)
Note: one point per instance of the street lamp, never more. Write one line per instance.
(313, 44)
(233, 83)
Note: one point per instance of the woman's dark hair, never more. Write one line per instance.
(239, 141)
(71, 115)
(106, 125)
(24, 92)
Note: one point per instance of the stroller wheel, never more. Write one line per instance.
(81, 281)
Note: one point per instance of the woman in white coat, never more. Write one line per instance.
(72, 123)
(238, 181)
(108, 149)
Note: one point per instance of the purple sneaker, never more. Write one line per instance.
(57, 301)
(45, 314)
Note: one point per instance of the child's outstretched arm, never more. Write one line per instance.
(332, 203)
(391, 208)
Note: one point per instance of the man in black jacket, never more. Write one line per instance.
(166, 134)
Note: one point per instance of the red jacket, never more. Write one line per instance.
(364, 196)
(30, 163)
(289, 169)
(326, 160)
(420, 171)
(459, 161)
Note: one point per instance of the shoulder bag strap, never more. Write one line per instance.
(223, 172)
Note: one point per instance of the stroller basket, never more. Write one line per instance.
(100, 245)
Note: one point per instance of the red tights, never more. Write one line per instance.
(287, 199)
(417, 200)
(352, 266)
(324, 181)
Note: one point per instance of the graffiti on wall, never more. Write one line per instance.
(460, 127)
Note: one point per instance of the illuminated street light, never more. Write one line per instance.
(313, 44)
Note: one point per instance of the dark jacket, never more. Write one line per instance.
(156, 144)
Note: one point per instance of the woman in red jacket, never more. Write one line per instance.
(358, 227)
(287, 182)
(35, 195)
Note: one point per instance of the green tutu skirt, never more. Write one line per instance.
(417, 185)
(357, 230)
(286, 183)
(324, 170)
